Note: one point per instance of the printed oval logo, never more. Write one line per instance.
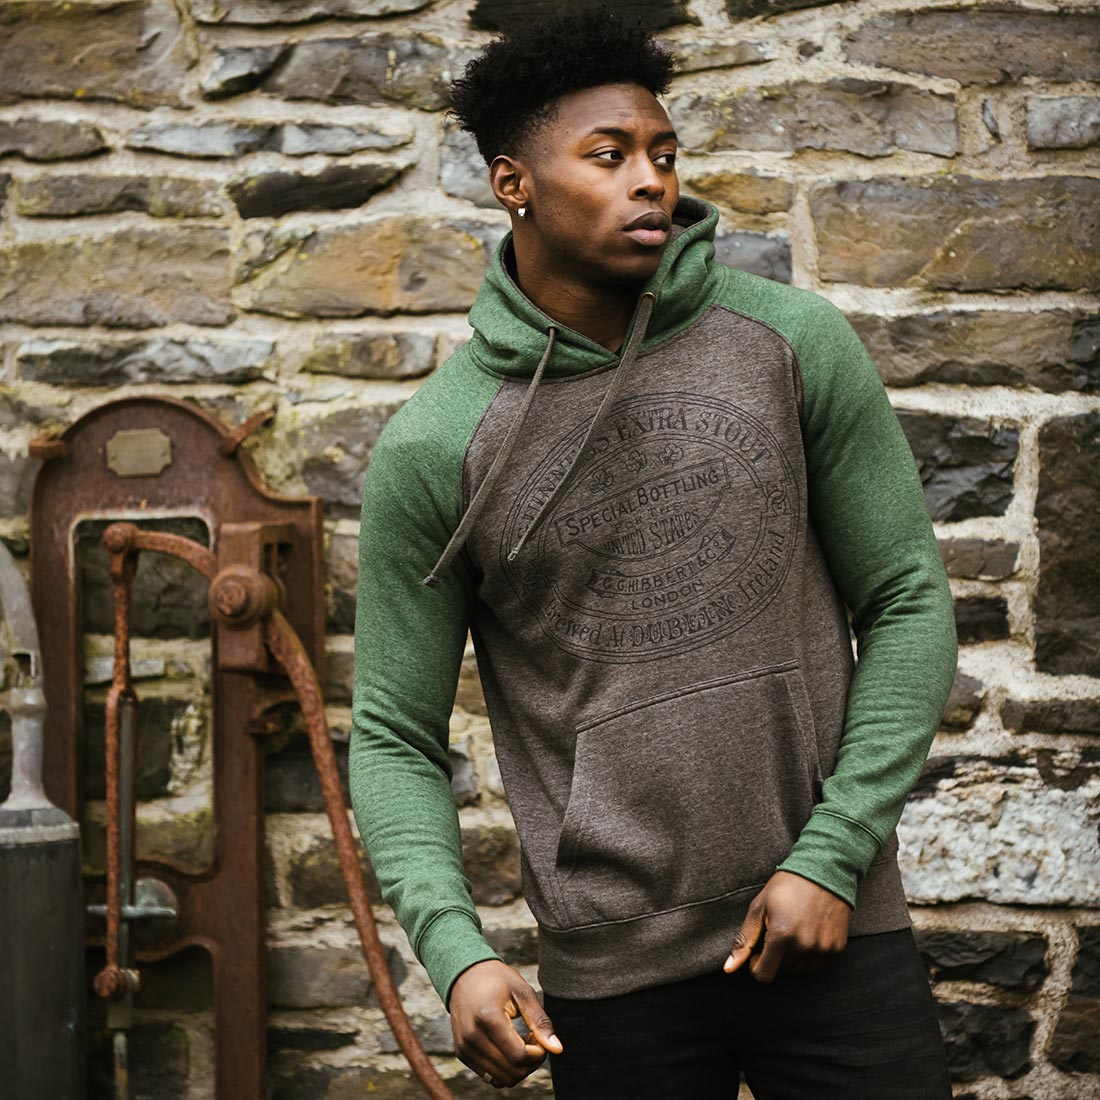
(678, 528)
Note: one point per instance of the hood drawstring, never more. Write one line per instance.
(645, 309)
(482, 495)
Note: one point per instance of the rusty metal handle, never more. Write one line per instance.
(232, 603)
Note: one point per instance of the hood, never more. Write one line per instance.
(510, 331)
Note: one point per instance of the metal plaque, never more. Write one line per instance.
(142, 452)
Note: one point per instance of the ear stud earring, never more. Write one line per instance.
(522, 211)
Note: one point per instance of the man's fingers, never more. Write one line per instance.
(766, 965)
(746, 937)
(540, 1025)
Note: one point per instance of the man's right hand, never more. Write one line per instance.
(485, 999)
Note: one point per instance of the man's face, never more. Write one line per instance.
(603, 162)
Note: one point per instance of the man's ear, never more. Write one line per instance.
(509, 179)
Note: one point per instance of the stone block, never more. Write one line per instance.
(470, 696)
(747, 9)
(84, 194)
(207, 140)
(291, 784)
(964, 702)
(43, 139)
(99, 362)
(333, 446)
(1051, 715)
(955, 232)
(979, 559)
(266, 12)
(127, 277)
(1075, 1045)
(233, 70)
(339, 677)
(492, 15)
(293, 1040)
(765, 254)
(182, 838)
(749, 192)
(157, 720)
(1008, 960)
(965, 463)
(337, 187)
(342, 572)
(324, 977)
(986, 1039)
(873, 118)
(1057, 350)
(372, 353)
(183, 982)
(314, 877)
(981, 46)
(1063, 122)
(517, 946)
(413, 264)
(490, 852)
(408, 69)
(17, 473)
(699, 55)
(1067, 514)
(462, 171)
(137, 52)
(981, 619)
(302, 139)
(1018, 829)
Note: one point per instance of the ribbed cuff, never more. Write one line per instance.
(451, 943)
(834, 852)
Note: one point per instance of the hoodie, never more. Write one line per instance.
(656, 554)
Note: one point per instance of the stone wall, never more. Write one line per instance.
(261, 203)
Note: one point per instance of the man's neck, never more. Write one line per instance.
(602, 313)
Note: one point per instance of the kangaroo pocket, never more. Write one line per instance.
(687, 796)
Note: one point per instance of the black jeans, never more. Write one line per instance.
(863, 1027)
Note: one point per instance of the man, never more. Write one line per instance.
(651, 485)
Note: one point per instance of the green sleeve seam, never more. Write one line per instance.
(435, 916)
(851, 821)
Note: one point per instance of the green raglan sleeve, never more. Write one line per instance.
(867, 507)
(409, 641)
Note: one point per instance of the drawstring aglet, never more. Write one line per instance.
(513, 553)
(431, 580)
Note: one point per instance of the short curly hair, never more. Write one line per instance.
(512, 85)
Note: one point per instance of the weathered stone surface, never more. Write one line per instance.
(323, 977)
(490, 853)
(699, 55)
(979, 559)
(517, 946)
(182, 838)
(1067, 513)
(1056, 350)
(160, 359)
(1075, 1046)
(953, 232)
(265, 12)
(409, 69)
(337, 187)
(158, 1061)
(169, 597)
(339, 677)
(869, 117)
(492, 15)
(44, 139)
(211, 140)
(334, 446)
(157, 718)
(746, 9)
(341, 571)
(1051, 715)
(131, 277)
(986, 1039)
(291, 784)
(281, 1040)
(372, 354)
(161, 196)
(315, 879)
(469, 695)
(134, 52)
(303, 139)
(981, 619)
(1063, 122)
(1014, 830)
(964, 702)
(751, 192)
(989, 45)
(17, 473)
(761, 253)
(412, 264)
(1010, 960)
(237, 69)
(462, 171)
(965, 463)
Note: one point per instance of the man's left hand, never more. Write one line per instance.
(792, 924)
